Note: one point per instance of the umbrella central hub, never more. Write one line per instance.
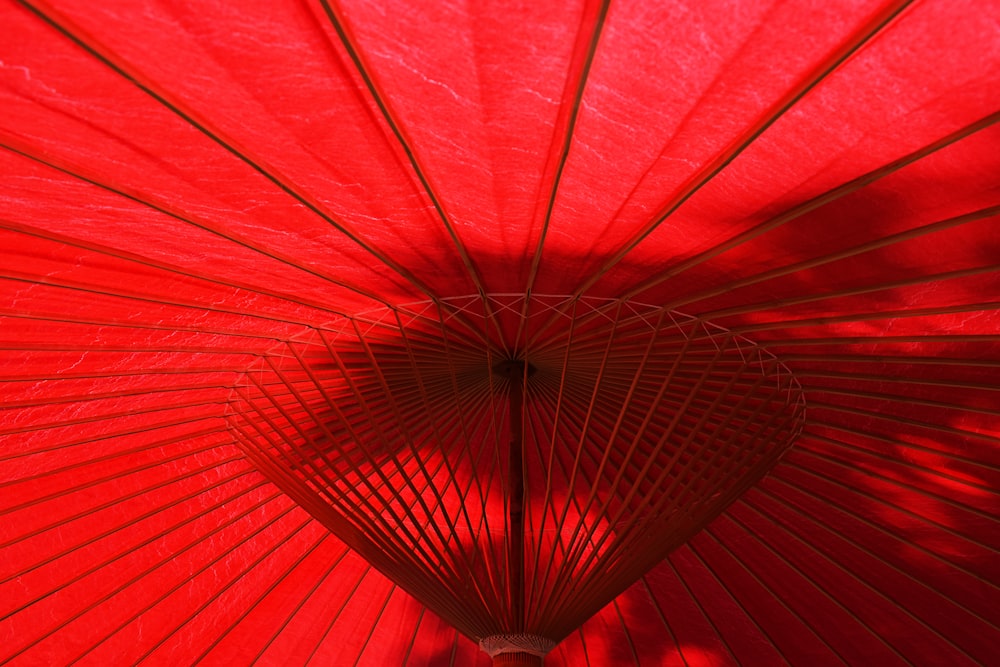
(513, 369)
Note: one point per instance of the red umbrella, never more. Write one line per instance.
(354, 334)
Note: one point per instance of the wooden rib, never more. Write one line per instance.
(702, 611)
(812, 582)
(221, 590)
(943, 453)
(829, 594)
(819, 201)
(111, 416)
(564, 587)
(94, 604)
(585, 47)
(824, 374)
(104, 55)
(694, 183)
(575, 470)
(663, 619)
(166, 267)
(883, 359)
(250, 606)
(411, 580)
(335, 616)
(364, 405)
(321, 582)
(394, 406)
(324, 486)
(692, 548)
(66, 399)
(940, 560)
(777, 305)
(810, 205)
(629, 540)
(188, 518)
(165, 208)
(72, 286)
(870, 246)
(215, 594)
(815, 389)
(939, 498)
(384, 554)
(931, 426)
(734, 558)
(915, 582)
(108, 478)
(882, 501)
(347, 42)
(864, 317)
(375, 624)
(465, 440)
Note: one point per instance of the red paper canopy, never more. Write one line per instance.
(282, 279)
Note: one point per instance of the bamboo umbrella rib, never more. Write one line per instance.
(768, 589)
(951, 456)
(817, 586)
(275, 545)
(775, 489)
(735, 600)
(938, 498)
(269, 172)
(623, 544)
(591, 28)
(92, 570)
(914, 582)
(906, 421)
(171, 269)
(862, 317)
(329, 490)
(588, 535)
(194, 472)
(559, 588)
(346, 42)
(289, 571)
(798, 359)
(94, 604)
(861, 36)
(915, 513)
(145, 199)
(393, 457)
(775, 305)
(89, 291)
(94, 397)
(896, 399)
(321, 581)
(823, 558)
(306, 551)
(335, 616)
(821, 200)
(388, 529)
(701, 610)
(419, 496)
(186, 407)
(114, 476)
(385, 555)
(574, 470)
(624, 628)
(662, 617)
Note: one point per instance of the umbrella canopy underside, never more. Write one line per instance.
(353, 334)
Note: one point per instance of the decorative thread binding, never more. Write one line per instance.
(516, 643)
